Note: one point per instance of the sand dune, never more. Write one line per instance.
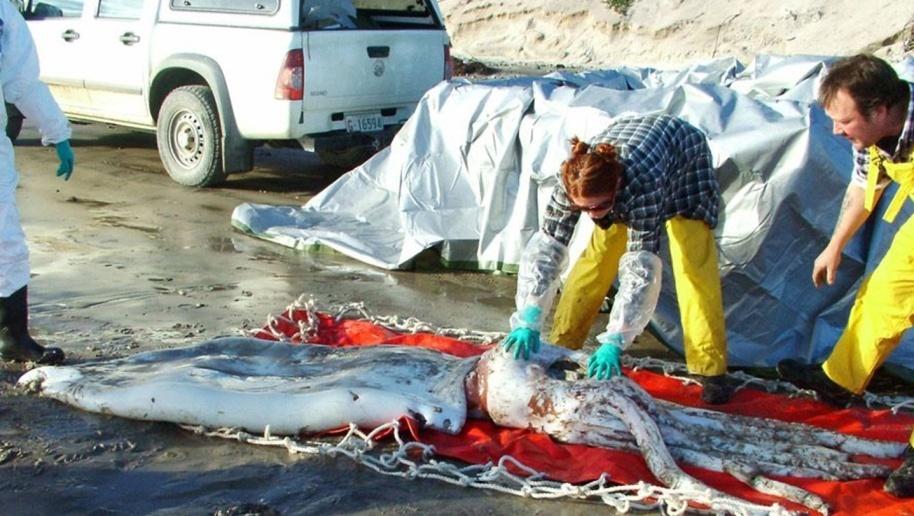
(668, 33)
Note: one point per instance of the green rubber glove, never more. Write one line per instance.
(67, 159)
(524, 339)
(606, 361)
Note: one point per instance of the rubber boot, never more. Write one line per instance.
(715, 390)
(812, 377)
(901, 482)
(15, 342)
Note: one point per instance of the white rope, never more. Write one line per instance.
(308, 329)
(676, 370)
(361, 448)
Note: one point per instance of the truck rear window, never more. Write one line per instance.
(368, 14)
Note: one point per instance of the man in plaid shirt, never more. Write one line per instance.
(874, 109)
(642, 174)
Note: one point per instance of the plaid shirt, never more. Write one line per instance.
(902, 150)
(667, 172)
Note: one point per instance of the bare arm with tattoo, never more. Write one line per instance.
(852, 216)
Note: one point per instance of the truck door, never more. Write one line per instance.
(57, 29)
(117, 38)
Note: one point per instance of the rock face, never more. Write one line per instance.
(672, 33)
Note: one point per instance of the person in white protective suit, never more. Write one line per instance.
(22, 88)
(641, 174)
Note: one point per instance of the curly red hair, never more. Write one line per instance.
(592, 172)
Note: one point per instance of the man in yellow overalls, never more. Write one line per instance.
(874, 109)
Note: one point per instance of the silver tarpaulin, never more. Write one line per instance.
(472, 170)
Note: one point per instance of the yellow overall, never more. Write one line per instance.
(694, 257)
(884, 307)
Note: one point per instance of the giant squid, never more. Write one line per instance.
(260, 385)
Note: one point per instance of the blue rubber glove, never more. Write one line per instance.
(67, 159)
(525, 339)
(606, 361)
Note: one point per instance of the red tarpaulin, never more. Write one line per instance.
(482, 441)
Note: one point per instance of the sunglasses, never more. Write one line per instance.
(605, 205)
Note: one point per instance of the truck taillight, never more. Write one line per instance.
(448, 63)
(290, 84)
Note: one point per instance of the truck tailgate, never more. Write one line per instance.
(364, 69)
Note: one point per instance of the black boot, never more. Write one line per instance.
(15, 342)
(901, 482)
(813, 378)
(715, 390)
(908, 452)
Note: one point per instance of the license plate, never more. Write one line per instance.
(364, 123)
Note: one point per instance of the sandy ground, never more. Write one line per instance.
(674, 33)
(124, 260)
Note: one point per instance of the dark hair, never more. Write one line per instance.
(870, 81)
(591, 172)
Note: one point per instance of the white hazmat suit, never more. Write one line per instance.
(21, 87)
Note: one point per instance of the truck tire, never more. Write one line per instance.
(189, 137)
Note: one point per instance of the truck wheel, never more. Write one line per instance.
(190, 138)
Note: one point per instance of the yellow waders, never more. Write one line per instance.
(694, 257)
(884, 307)
(587, 285)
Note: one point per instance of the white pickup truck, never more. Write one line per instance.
(214, 78)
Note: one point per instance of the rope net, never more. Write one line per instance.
(413, 460)
(385, 450)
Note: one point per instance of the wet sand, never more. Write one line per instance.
(124, 260)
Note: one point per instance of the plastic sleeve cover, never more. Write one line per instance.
(636, 299)
(537, 280)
